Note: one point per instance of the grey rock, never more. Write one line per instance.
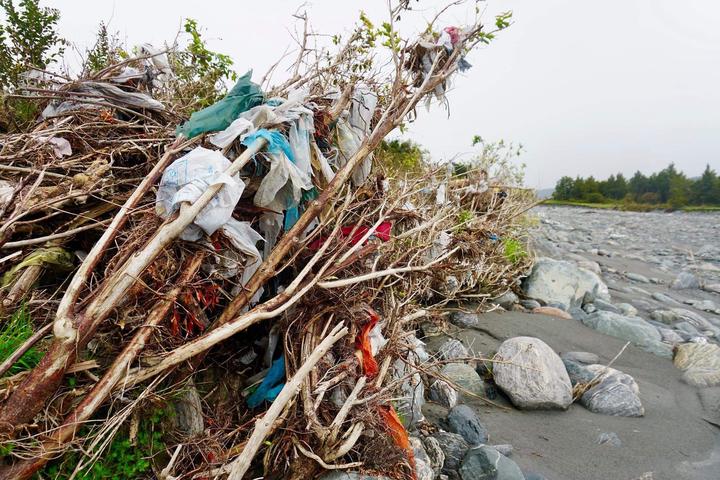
(665, 316)
(706, 306)
(684, 281)
(686, 327)
(506, 300)
(696, 320)
(452, 349)
(700, 363)
(606, 306)
(413, 393)
(188, 412)
(615, 393)
(435, 453)
(609, 438)
(464, 376)
(423, 465)
(454, 447)
(564, 283)
(627, 309)
(486, 463)
(581, 357)
(589, 308)
(636, 277)
(505, 449)
(578, 372)
(590, 265)
(443, 393)
(530, 304)
(464, 421)
(533, 375)
(661, 297)
(633, 329)
(465, 319)
(670, 336)
(714, 287)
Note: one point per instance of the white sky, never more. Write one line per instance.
(588, 87)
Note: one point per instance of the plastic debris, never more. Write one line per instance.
(363, 347)
(58, 257)
(243, 96)
(281, 188)
(187, 178)
(271, 385)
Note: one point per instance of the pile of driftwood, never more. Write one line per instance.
(256, 267)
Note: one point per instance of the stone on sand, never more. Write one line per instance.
(532, 374)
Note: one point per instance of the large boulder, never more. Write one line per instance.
(633, 329)
(465, 422)
(532, 374)
(700, 363)
(561, 283)
(486, 463)
(615, 393)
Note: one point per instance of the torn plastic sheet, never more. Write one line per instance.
(128, 74)
(348, 143)
(187, 178)
(270, 225)
(238, 127)
(101, 93)
(281, 188)
(243, 96)
(6, 192)
(158, 61)
(244, 238)
(299, 137)
(321, 163)
(270, 386)
(61, 147)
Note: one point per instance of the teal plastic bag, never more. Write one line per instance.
(243, 96)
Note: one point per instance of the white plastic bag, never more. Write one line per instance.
(244, 239)
(187, 178)
(282, 186)
(348, 143)
(239, 126)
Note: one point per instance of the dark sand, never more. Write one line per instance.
(672, 440)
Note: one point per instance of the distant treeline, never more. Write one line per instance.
(667, 187)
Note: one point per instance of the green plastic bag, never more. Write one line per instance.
(55, 256)
(243, 96)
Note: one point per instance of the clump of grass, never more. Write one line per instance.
(14, 334)
(514, 250)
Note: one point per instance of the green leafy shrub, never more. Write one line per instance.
(514, 250)
(123, 460)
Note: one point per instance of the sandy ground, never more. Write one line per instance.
(672, 440)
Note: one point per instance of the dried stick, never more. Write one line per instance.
(264, 426)
(96, 397)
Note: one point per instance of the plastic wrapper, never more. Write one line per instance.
(187, 178)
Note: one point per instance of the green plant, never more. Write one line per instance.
(105, 52)
(513, 250)
(464, 217)
(125, 459)
(28, 38)
(13, 335)
(202, 74)
(402, 156)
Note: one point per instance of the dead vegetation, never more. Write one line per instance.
(303, 298)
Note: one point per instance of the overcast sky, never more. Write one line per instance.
(588, 87)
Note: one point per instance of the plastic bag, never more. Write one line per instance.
(187, 178)
(270, 226)
(243, 96)
(238, 127)
(244, 239)
(348, 143)
(282, 186)
(299, 137)
(58, 257)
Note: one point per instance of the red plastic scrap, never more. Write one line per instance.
(382, 232)
(398, 433)
(363, 347)
(454, 33)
